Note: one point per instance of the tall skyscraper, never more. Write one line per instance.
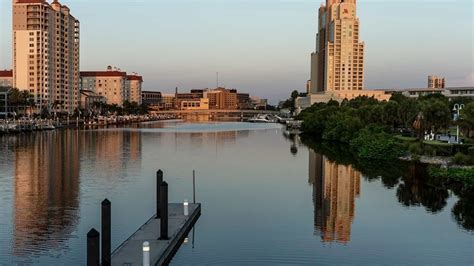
(338, 62)
(337, 65)
(46, 54)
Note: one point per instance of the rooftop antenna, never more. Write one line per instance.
(217, 80)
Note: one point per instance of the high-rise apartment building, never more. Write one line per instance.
(338, 62)
(46, 54)
(436, 82)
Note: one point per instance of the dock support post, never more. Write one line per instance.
(146, 253)
(159, 180)
(164, 211)
(194, 186)
(93, 248)
(106, 232)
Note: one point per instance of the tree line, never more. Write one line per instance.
(369, 125)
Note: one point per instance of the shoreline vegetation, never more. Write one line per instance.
(416, 184)
(401, 129)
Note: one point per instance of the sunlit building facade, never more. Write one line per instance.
(337, 64)
(46, 53)
(113, 84)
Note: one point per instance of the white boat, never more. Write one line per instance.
(262, 119)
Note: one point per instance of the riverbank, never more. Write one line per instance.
(25, 125)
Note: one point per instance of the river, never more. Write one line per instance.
(267, 198)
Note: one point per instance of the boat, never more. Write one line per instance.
(262, 119)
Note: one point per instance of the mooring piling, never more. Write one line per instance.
(159, 180)
(106, 232)
(164, 210)
(93, 248)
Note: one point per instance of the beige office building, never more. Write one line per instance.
(436, 82)
(109, 84)
(46, 53)
(201, 104)
(116, 86)
(337, 65)
(222, 98)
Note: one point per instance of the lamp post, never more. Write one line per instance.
(457, 108)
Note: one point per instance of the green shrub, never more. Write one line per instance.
(463, 175)
(442, 149)
(470, 151)
(373, 143)
(415, 149)
(460, 159)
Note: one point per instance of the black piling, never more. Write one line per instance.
(93, 248)
(164, 211)
(106, 232)
(194, 186)
(159, 180)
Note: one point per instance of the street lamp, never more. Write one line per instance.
(457, 108)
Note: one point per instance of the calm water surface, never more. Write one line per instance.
(267, 199)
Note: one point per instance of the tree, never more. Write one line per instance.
(295, 94)
(436, 114)
(467, 118)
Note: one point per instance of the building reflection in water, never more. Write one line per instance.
(46, 191)
(47, 183)
(335, 188)
(112, 150)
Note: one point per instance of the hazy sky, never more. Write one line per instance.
(263, 46)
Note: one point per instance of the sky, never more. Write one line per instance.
(263, 46)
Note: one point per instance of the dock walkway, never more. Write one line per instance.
(161, 251)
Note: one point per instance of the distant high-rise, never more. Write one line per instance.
(436, 82)
(46, 54)
(338, 62)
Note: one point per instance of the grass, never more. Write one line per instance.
(405, 139)
(437, 143)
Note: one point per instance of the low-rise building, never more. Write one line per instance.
(222, 99)
(259, 103)
(4, 108)
(168, 100)
(243, 100)
(201, 104)
(6, 78)
(152, 98)
(450, 92)
(88, 98)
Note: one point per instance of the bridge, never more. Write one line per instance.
(215, 112)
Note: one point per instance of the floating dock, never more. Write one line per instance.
(155, 242)
(130, 253)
